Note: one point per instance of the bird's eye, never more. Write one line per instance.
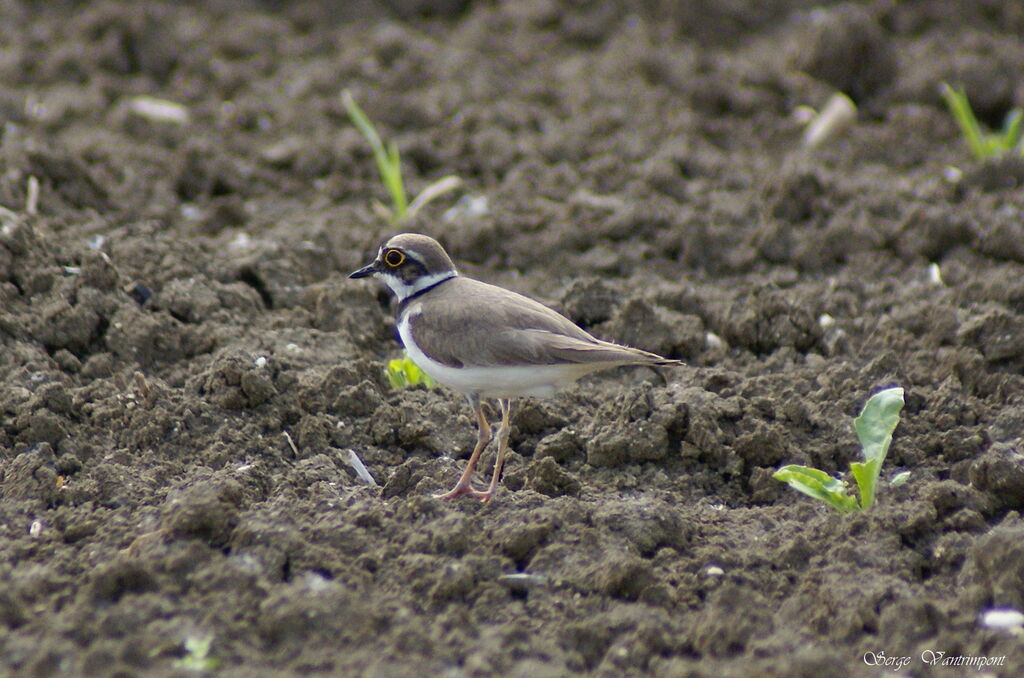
(394, 258)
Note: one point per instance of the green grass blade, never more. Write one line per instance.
(874, 428)
(392, 177)
(961, 111)
(1012, 129)
(363, 124)
(389, 166)
(817, 484)
(388, 161)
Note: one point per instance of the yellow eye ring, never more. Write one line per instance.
(394, 258)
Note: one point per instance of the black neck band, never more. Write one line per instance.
(405, 302)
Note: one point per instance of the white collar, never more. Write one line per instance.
(404, 290)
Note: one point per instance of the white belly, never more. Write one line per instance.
(541, 381)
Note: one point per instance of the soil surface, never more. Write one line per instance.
(185, 370)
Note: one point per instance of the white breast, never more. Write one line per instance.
(493, 381)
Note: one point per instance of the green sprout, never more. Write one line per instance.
(874, 429)
(984, 144)
(197, 657)
(403, 372)
(390, 168)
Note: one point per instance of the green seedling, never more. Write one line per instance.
(874, 429)
(984, 144)
(403, 372)
(389, 166)
(197, 657)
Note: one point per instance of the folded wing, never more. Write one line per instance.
(473, 323)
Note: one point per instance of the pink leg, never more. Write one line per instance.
(503, 431)
(464, 486)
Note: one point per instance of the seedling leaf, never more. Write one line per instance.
(866, 475)
(818, 484)
(1012, 128)
(388, 160)
(956, 101)
(403, 372)
(392, 174)
(874, 428)
(197, 657)
(389, 166)
(983, 144)
(396, 373)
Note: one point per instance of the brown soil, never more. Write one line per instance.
(185, 367)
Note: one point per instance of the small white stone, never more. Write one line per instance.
(1002, 618)
(261, 362)
(826, 321)
(35, 529)
(315, 583)
(241, 241)
(935, 274)
(836, 117)
(158, 110)
(714, 571)
(712, 340)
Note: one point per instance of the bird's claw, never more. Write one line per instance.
(459, 490)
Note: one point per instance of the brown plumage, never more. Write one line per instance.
(517, 331)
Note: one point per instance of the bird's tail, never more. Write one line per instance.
(666, 362)
(636, 356)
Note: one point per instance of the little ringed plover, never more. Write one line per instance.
(486, 341)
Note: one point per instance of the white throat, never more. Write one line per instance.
(404, 290)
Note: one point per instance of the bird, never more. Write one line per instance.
(486, 341)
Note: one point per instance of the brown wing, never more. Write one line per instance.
(467, 322)
(563, 349)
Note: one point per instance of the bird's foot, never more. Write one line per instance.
(466, 488)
